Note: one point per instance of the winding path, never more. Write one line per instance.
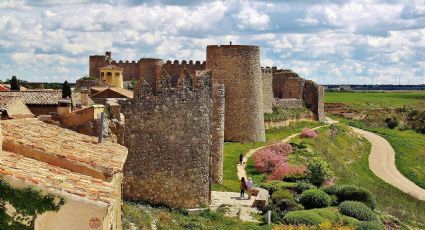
(382, 164)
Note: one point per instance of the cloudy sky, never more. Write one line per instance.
(359, 41)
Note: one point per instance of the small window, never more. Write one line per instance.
(117, 74)
(109, 74)
(102, 74)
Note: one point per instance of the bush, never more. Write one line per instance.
(295, 177)
(296, 146)
(309, 133)
(303, 186)
(318, 171)
(281, 207)
(315, 198)
(391, 122)
(266, 160)
(283, 169)
(354, 193)
(273, 186)
(370, 225)
(281, 148)
(282, 195)
(303, 217)
(357, 210)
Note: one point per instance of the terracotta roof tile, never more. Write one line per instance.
(36, 97)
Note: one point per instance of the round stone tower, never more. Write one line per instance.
(150, 69)
(238, 68)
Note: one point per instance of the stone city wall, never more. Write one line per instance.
(168, 136)
(268, 98)
(217, 130)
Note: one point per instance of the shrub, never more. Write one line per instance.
(266, 160)
(303, 217)
(273, 186)
(282, 195)
(391, 122)
(301, 145)
(354, 193)
(370, 225)
(303, 186)
(281, 148)
(294, 177)
(281, 207)
(318, 171)
(309, 133)
(283, 169)
(315, 198)
(357, 210)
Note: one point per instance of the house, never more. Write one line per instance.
(12, 107)
(77, 178)
(101, 94)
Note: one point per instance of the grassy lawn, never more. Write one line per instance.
(348, 157)
(141, 217)
(372, 100)
(233, 149)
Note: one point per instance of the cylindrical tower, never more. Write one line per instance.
(150, 70)
(217, 130)
(238, 68)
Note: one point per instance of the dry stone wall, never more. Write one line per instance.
(217, 134)
(238, 68)
(168, 135)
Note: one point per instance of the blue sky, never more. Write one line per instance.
(331, 42)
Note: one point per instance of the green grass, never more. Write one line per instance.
(233, 149)
(283, 114)
(166, 218)
(374, 100)
(347, 155)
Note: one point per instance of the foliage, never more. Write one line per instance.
(283, 114)
(317, 217)
(266, 160)
(283, 149)
(315, 198)
(279, 208)
(28, 202)
(416, 120)
(66, 90)
(282, 195)
(294, 177)
(309, 133)
(137, 215)
(318, 171)
(296, 146)
(353, 193)
(283, 169)
(14, 83)
(357, 210)
(303, 186)
(391, 122)
(275, 185)
(370, 225)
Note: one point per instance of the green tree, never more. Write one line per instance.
(66, 90)
(318, 171)
(14, 83)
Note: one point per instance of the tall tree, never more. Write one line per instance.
(66, 90)
(14, 83)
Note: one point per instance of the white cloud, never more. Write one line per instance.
(251, 18)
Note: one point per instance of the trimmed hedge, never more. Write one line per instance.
(282, 195)
(303, 186)
(357, 210)
(315, 198)
(352, 192)
(368, 225)
(303, 217)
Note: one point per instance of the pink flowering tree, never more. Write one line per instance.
(283, 149)
(266, 160)
(309, 133)
(284, 169)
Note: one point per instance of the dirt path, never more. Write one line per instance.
(382, 164)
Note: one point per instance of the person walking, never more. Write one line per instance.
(243, 187)
(241, 158)
(249, 186)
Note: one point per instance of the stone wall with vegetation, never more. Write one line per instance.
(168, 136)
(217, 130)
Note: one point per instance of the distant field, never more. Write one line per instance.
(371, 100)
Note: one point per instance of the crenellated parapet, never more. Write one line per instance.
(175, 67)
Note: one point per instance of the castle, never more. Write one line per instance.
(181, 114)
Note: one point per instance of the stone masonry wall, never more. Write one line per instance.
(238, 68)
(268, 98)
(168, 136)
(217, 130)
(313, 99)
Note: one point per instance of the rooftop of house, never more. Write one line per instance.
(49, 176)
(14, 107)
(36, 97)
(64, 148)
(103, 92)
